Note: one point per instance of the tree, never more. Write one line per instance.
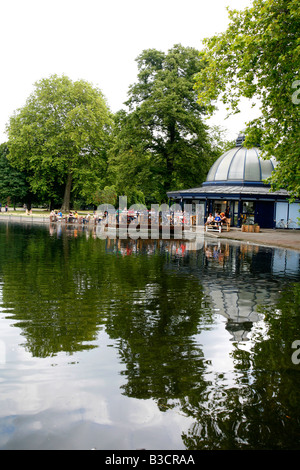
(132, 170)
(162, 142)
(258, 57)
(13, 184)
(60, 137)
(107, 195)
(219, 140)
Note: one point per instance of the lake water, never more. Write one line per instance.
(140, 344)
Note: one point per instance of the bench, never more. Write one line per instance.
(218, 227)
(213, 228)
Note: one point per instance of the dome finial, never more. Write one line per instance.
(240, 139)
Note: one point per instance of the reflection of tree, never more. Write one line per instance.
(60, 292)
(42, 286)
(261, 410)
(156, 327)
(247, 408)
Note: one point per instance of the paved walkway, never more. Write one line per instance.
(282, 238)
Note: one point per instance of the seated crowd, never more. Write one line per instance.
(72, 217)
(218, 219)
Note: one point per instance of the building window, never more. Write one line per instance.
(248, 212)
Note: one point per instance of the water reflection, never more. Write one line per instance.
(238, 295)
(206, 333)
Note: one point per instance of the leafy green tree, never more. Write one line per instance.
(61, 136)
(162, 142)
(219, 140)
(131, 169)
(107, 195)
(258, 57)
(13, 184)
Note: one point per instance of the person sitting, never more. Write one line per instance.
(217, 219)
(210, 219)
(87, 218)
(223, 218)
(52, 216)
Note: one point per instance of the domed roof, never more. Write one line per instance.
(240, 165)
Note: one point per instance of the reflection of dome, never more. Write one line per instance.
(237, 304)
(240, 165)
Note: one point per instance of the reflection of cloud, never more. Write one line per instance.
(90, 407)
(149, 428)
(217, 348)
(44, 405)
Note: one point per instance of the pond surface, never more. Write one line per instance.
(123, 344)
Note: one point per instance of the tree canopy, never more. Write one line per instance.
(60, 137)
(258, 57)
(70, 147)
(161, 143)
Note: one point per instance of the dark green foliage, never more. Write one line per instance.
(13, 184)
(258, 57)
(161, 142)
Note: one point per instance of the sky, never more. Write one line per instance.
(98, 41)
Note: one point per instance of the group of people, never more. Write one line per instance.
(219, 218)
(73, 217)
(56, 216)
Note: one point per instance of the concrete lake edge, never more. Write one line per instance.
(280, 238)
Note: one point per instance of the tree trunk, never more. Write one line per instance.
(67, 196)
(169, 155)
(28, 203)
